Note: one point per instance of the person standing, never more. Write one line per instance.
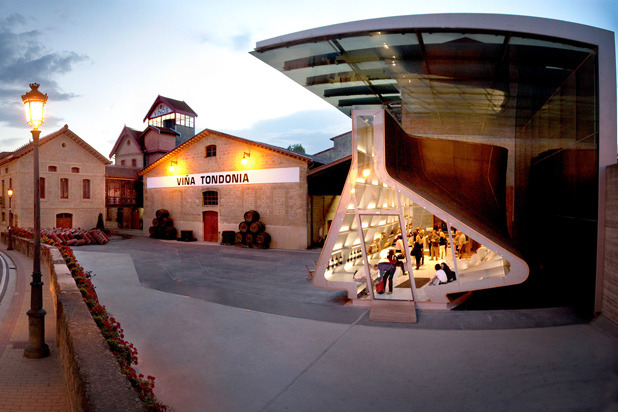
(417, 252)
(387, 267)
(461, 240)
(443, 243)
(434, 244)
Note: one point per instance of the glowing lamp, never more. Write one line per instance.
(366, 172)
(172, 164)
(244, 160)
(34, 102)
(10, 193)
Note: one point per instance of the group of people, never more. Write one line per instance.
(389, 262)
(436, 241)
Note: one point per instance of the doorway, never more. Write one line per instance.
(64, 220)
(211, 226)
(381, 233)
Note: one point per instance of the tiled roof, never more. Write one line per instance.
(27, 148)
(207, 132)
(133, 135)
(113, 171)
(176, 105)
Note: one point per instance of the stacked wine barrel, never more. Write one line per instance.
(162, 226)
(251, 232)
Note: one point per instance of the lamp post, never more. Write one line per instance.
(34, 102)
(9, 245)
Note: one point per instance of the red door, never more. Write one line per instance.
(64, 220)
(211, 227)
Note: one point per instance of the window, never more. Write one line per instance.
(64, 188)
(122, 163)
(42, 187)
(211, 150)
(86, 188)
(75, 170)
(211, 198)
(133, 162)
(52, 168)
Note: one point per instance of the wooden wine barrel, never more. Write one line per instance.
(256, 227)
(151, 230)
(156, 222)
(171, 233)
(169, 222)
(243, 227)
(262, 238)
(162, 213)
(251, 216)
(249, 238)
(240, 237)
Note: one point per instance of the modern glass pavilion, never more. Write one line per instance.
(491, 126)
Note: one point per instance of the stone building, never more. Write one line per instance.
(217, 177)
(72, 177)
(171, 122)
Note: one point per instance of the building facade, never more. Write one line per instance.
(171, 122)
(72, 178)
(494, 129)
(217, 178)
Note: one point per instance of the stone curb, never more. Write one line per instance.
(93, 376)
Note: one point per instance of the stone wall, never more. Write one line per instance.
(610, 278)
(93, 375)
(283, 207)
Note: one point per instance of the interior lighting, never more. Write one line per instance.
(172, 164)
(244, 160)
(366, 172)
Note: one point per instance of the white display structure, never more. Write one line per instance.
(374, 208)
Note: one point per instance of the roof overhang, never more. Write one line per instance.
(464, 74)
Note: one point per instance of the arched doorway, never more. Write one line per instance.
(64, 220)
(211, 226)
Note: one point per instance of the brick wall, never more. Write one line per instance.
(610, 278)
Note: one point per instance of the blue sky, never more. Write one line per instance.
(103, 63)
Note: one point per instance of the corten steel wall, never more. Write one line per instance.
(465, 179)
(283, 207)
(610, 282)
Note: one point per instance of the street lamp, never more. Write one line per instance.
(34, 102)
(9, 245)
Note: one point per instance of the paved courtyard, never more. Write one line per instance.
(230, 329)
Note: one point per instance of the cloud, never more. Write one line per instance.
(24, 59)
(311, 128)
(242, 42)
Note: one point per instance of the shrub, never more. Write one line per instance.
(124, 352)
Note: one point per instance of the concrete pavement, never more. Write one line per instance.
(27, 384)
(237, 353)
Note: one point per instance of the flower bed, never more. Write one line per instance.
(124, 352)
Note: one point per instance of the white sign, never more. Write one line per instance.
(237, 177)
(161, 110)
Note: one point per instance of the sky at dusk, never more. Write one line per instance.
(103, 63)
